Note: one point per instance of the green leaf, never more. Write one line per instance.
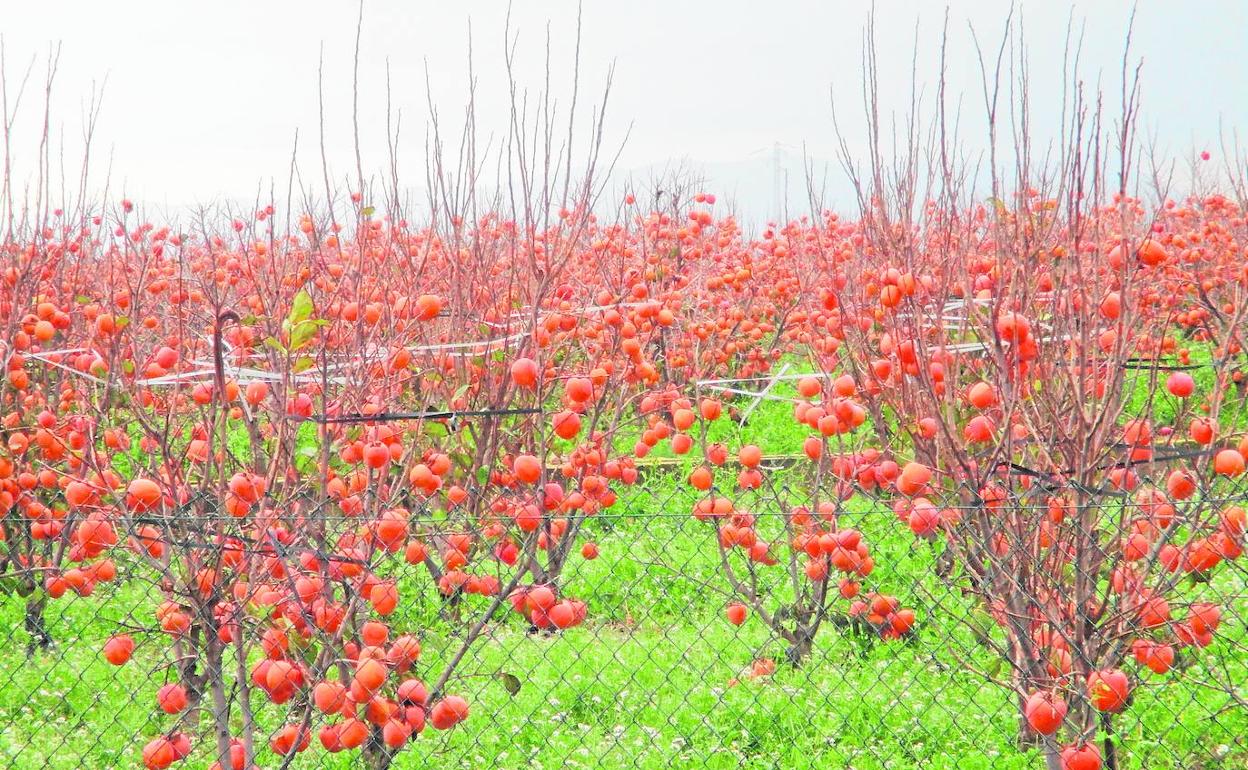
(122, 321)
(368, 211)
(273, 342)
(511, 682)
(302, 333)
(304, 363)
(433, 428)
(981, 622)
(82, 300)
(300, 644)
(301, 309)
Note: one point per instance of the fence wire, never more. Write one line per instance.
(685, 643)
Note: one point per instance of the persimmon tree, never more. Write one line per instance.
(785, 554)
(1015, 356)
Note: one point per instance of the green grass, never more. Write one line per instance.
(648, 682)
(1169, 410)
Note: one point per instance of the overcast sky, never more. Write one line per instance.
(203, 99)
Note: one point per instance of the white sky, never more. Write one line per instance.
(203, 98)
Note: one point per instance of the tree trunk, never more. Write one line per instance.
(40, 637)
(797, 652)
(1052, 757)
(376, 755)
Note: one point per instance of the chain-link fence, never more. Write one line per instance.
(752, 628)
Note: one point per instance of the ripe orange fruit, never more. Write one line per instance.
(915, 475)
(376, 455)
(813, 447)
(329, 696)
(540, 597)
(448, 712)
(428, 306)
(1180, 484)
(527, 468)
(78, 494)
(1108, 690)
(1111, 306)
(142, 495)
(982, 395)
(412, 692)
(395, 733)
(118, 649)
(384, 598)
(1045, 712)
(579, 389)
(683, 419)
(701, 478)
(1151, 253)
(291, 738)
(404, 652)
(524, 372)
(370, 675)
(171, 698)
(256, 392)
(352, 733)
(159, 753)
(1180, 384)
(374, 634)
(1084, 756)
(566, 424)
(562, 615)
(1228, 462)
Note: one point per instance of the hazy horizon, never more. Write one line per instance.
(202, 104)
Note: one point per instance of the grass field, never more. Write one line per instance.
(648, 681)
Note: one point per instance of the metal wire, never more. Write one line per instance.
(656, 675)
